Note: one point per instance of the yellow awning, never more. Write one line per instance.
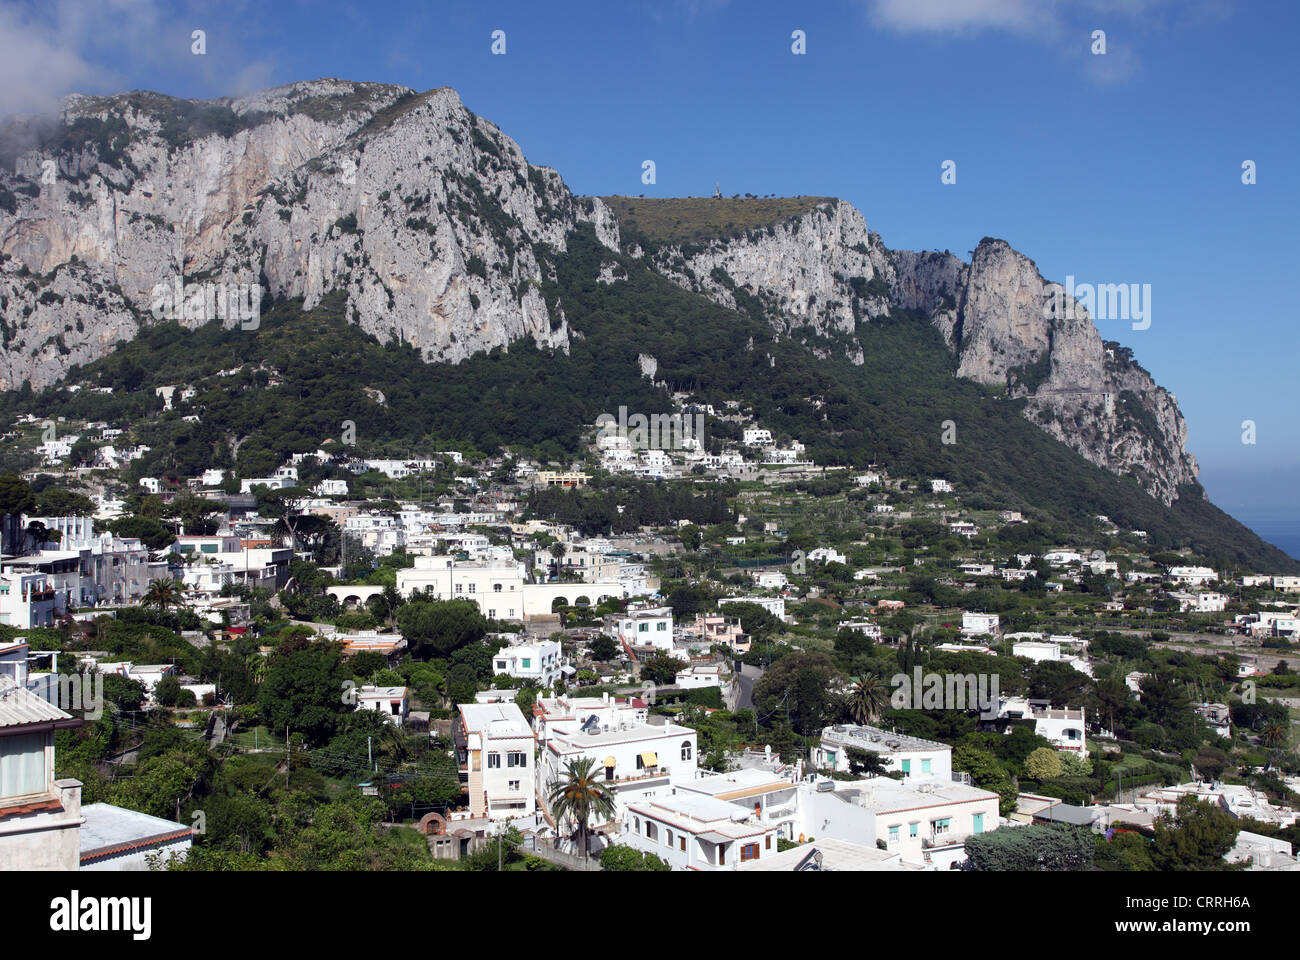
(650, 758)
(611, 762)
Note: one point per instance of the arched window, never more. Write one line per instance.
(686, 749)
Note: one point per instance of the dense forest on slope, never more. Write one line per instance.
(292, 383)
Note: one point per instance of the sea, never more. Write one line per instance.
(1280, 530)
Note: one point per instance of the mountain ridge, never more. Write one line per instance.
(440, 234)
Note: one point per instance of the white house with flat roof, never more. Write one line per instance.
(926, 822)
(697, 832)
(828, 855)
(494, 750)
(643, 626)
(1063, 726)
(540, 661)
(770, 795)
(773, 605)
(1041, 651)
(978, 624)
(911, 756)
(1192, 575)
(391, 703)
(633, 760)
(603, 712)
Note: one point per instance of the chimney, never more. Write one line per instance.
(767, 751)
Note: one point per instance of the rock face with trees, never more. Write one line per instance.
(438, 233)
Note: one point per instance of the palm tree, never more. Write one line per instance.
(579, 797)
(868, 699)
(1273, 735)
(162, 594)
(257, 666)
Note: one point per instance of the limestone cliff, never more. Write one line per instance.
(427, 216)
(825, 269)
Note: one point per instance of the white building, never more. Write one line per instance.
(1063, 727)
(540, 661)
(770, 579)
(40, 817)
(925, 822)
(634, 760)
(494, 748)
(392, 703)
(979, 624)
(697, 832)
(826, 555)
(642, 627)
(773, 605)
(1192, 575)
(699, 676)
(756, 437)
(940, 486)
(912, 756)
(26, 600)
(1041, 651)
(1203, 602)
(570, 712)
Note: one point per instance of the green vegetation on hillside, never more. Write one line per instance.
(293, 392)
(676, 220)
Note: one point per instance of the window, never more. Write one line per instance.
(907, 767)
(682, 841)
(670, 838)
(527, 663)
(22, 765)
(636, 824)
(494, 761)
(516, 758)
(893, 834)
(748, 852)
(501, 664)
(913, 828)
(471, 588)
(661, 627)
(651, 830)
(769, 842)
(496, 588)
(686, 750)
(514, 785)
(643, 628)
(925, 766)
(941, 826)
(978, 825)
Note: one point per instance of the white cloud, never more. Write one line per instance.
(1065, 25)
(57, 47)
(954, 16)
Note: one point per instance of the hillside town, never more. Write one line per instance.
(671, 653)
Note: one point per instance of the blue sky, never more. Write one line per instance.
(1124, 167)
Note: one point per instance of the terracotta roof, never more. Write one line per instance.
(90, 855)
(36, 806)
